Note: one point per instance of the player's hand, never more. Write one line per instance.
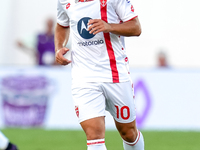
(60, 56)
(97, 25)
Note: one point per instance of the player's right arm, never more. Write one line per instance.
(61, 35)
(61, 39)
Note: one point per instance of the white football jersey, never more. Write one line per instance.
(100, 57)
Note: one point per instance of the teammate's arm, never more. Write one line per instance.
(61, 39)
(129, 28)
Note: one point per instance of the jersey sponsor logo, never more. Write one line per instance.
(82, 28)
(84, 33)
(90, 43)
(68, 5)
(103, 2)
(126, 59)
(127, 1)
(132, 8)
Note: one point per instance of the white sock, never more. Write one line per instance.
(96, 144)
(138, 144)
(3, 141)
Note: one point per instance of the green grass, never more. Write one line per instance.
(39, 139)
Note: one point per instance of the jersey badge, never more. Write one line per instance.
(77, 111)
(103, 2)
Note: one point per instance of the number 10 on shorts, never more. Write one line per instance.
(123, 112)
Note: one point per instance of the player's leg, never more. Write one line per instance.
(90, 109)
(5, 144)
(95, 132)
(3, 141)
(132, 137)
(121, 104)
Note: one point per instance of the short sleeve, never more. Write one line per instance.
(62, 17)
(125, 10)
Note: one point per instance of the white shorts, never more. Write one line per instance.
(93, 99)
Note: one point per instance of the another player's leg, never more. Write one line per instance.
(95, 132)
(3, 141)
(5, 144)
(132, 137)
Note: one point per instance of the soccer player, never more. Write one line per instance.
(100, 75)
(5, 144)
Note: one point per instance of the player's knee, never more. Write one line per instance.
(95, 134)
(128, 131)
(94, 128)
(129, 135)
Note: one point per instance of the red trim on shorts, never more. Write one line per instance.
(113, 64)
(93, 143)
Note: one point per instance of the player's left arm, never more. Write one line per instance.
(129, 28)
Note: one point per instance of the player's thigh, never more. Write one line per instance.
(120, 102)
(89, 101)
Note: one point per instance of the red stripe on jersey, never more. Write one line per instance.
(110, 50)
(92, 143)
